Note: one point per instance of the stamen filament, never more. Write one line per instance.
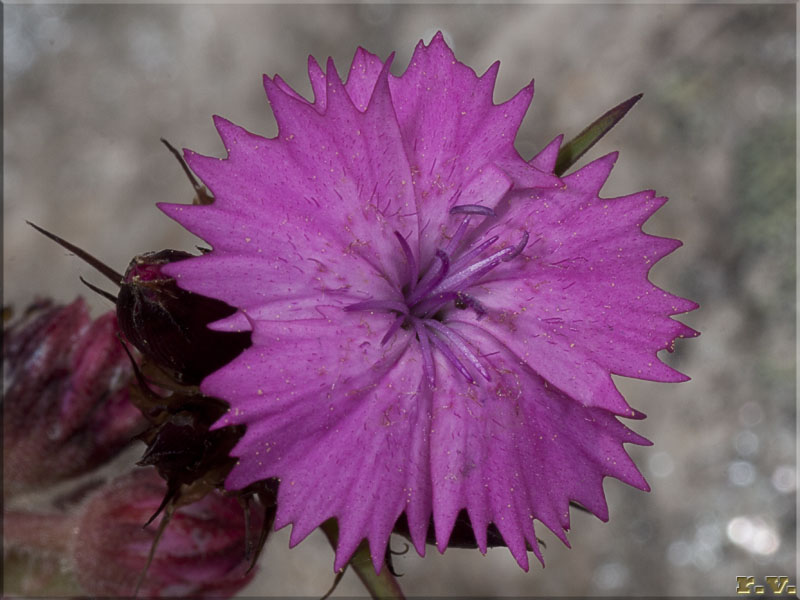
(394, 305)
(442, 347)
(453, 338)
(457, 236)
(472, 209)
(411, 263)
(466, 277)
(519, 247)
(431, 304)
(428, 367)
(423, 297)
(431, 279)
(398, 322)
(475, 252)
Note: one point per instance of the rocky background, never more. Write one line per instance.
(89, 89)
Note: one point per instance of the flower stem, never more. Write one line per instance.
(379, 585)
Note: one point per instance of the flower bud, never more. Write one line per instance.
(184, 452)
(201, 552)
(169, 325)
(65, 406)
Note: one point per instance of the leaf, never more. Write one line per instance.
(580, 144)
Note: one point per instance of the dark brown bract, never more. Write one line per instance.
(169, 325)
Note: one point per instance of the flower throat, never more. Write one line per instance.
(445, 281)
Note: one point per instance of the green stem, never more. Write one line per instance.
(379, 585)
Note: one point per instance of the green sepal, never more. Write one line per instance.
(580, 144)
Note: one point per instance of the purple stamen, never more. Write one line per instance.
(453, 338)
(519, 247)
(467, 257)
(424, 296)
(413, 269)
(427, 356)
(388, 305)
(472, 209)
(428, 306)
(430, 281)
(466, 277)
(398, 322)
(442, 347)
(457, 236)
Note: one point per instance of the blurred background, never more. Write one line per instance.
(88, 91)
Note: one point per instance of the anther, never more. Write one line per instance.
(518, 248)
(464, 301)
(472, 209)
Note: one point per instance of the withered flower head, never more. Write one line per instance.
(202, 551)
(169, 325)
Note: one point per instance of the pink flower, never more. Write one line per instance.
(434, 320)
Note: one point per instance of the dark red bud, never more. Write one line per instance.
(169, 325)
(65, 407)
(201, 552)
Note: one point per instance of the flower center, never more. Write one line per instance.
(457, 268)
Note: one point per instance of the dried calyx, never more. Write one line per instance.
(170, 325)
(167, 324)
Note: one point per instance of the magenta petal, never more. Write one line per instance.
(309, 392)
(486, 188)
(591, 178)
(361, 195)
(451, 128)
(546, 159)
(582, 305)
(364, 72)
(317, 77)
(287, 89)
(516, 449)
